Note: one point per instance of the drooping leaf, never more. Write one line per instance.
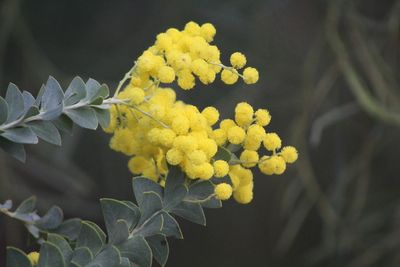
(50, 256)
(200, 191)
(21, 135)
(14, 149)
(15, 103)
(88, 237)
(84, 117)
(142, 184)
(212, 203)
(3, 110)
(137, 250)
(159, 247)
(16, 257)
(46, 131)
(51, 220)
(6, 205)
(151, 226)
(64, 123)
(103, 116)
(125, 262)
(98, 230)
(190, 211)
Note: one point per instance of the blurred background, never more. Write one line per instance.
(329, 74)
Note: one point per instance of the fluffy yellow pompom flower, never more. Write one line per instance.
(123, 141)
(289, 154)
(221, 168)
(219, 135)
(211, 114)
(185, 143)
(166, 74)
(250, 75)
(229, 77)
(256, 132)
(238, 60)
(227, 124)
(134, 94)
(244, 194)
(272, 165)
(197, 157)
(249, 158)
(236, 135)
(244, 114)
(180, 125)
(174, 156)
(138, 164)
(272, 141)
(34, 258)
(208, 31)
(223, 191)
(263, 118)
(166, 137)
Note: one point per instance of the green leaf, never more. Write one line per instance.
(50, 256)
(27, 206)
(151, 203)
(142, 184)
(152, 226)
(223, 154)
(110, 257)
(125, 262)
(159, 247)
(175, 190)
(15, 103)
(63, 123)
(69, 228)
(114, 210)
(52, 100)
(212, 203)
(121, 232)
(75, 92)
(199, 191)
(46, 131)
(3, 110)
(20, 135)
(190, 211)
(81, 256)
(14, 149)
(29, 101)
(84, 117)
(95, 90)
(103, 116)
(7, 205)
(98, 230)
(39, 95)
(137, 250)
(51, 220)
(62, 245)
(17, 258)
(171, 226)
(88, 237)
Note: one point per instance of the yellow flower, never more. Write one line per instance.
(289, 154)
(166, 74)
(223, 191)
(174, 156)
(207, 30)
(197, 157)
(244, 114)
(262, 117)
(250, 75)
(236, 135)
(211, 114)
(272, 141)
(229, 77)
(221, 168)
(238, 60)
(249, 158)
(34, 258)
(244, 194)
(219, 136)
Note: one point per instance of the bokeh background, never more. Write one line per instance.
(329, 74)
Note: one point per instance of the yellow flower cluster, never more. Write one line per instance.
(34, 258)
(156, 130)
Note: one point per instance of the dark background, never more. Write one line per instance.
(339, 105)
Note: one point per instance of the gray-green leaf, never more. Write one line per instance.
(46, 131)
(84, 117)
(21, 135)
